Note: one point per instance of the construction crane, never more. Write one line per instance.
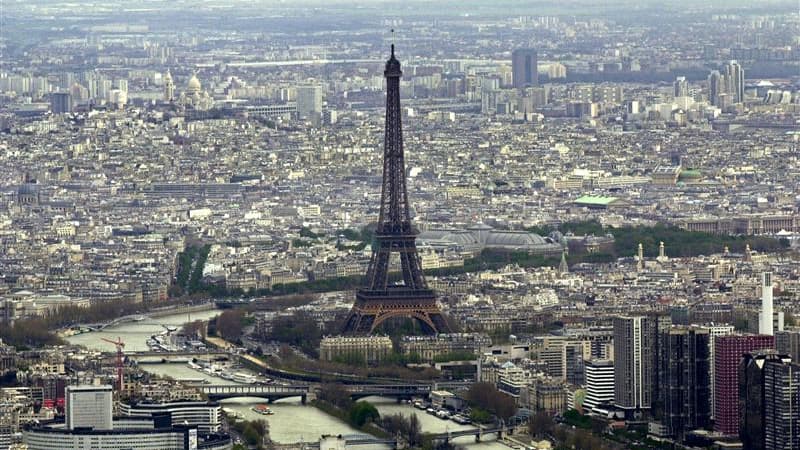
(120, 345)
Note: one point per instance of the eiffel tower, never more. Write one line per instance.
(380, 298)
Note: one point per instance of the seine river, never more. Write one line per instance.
(292, 421)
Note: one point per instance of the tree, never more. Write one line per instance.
(363, 412)
(285, 352)
(299, 329)
(489, 398)
(406, 426)
(504, 406)
(230, 324)
(254, 432)
(195, 329)
(335, 394)
(414, 430)
(478, 415)
(540, 425)
(480, 394)
(251, 435)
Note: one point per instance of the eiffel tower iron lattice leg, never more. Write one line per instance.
(381, 299)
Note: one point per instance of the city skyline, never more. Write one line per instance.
(279, 224)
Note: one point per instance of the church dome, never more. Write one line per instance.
(193, 85)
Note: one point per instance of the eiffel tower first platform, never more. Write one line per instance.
(380, 298)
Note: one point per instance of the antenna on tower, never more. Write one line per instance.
(392, 30)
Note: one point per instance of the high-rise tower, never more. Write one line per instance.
(637, 353)
(524, 67)
(381, 297)
(680, 87)
(734, 76)
(769, 417)
(715, 88)
(728, 351)
(766, 317)
(309, 101)
(686, 393)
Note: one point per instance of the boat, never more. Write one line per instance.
(194, 365)
(418, 404)
(442, 414)
(232, 413)
(431, 411)
(139, 318)
(245, 378)
(264, 410)
(193, 380)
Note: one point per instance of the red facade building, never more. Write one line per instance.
(728, 353)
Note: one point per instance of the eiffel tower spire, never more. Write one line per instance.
(380, 298)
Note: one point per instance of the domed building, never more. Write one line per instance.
(193, 86)
(194, 96)
(481, 236)
(690, 176)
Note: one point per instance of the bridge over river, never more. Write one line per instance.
(350, 440)
(272, 392)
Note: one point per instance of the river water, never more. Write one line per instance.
(292, 421)
(136, 334)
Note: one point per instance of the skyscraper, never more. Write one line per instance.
(599, 375)
(309, 100)
(680, 87)
(89, 407)
(734, 78)
(788, 342)
(769, 405)
(782, 405)
(728, 354)
(60, 102)
(524, 66)
(765, 318)
(637, 352)
(715, 331)
(686, 393)
(122, 85)
(715, 87)
(103, 86)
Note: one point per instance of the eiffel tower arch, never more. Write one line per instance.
(380, 299)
